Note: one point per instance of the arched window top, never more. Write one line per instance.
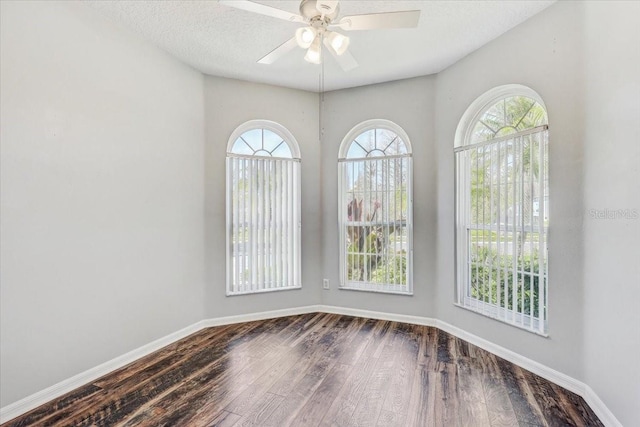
(375, 138)
(501, 198)
(502, 111)
(263, 138)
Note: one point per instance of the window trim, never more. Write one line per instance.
(480, 105)
(368, 125)
(462, 142)
(350, 136)
(274, 127)
(290, 140)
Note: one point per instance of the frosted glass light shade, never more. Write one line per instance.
(338, 42)
(305, 36)
(313, 54)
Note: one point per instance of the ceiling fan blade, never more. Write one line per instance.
(346, 61)
(262, 10)
(278, 52)
(374, 21)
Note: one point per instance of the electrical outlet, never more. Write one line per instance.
(325, 283)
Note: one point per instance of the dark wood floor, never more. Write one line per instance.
(317, 370)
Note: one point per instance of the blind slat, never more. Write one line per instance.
(374, 219)
(263, 217)
(501, 196)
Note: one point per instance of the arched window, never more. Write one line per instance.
(263, 209)
(375, 209)
(502, 207)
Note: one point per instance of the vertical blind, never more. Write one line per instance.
(501, 230)
(263, 220)
(375, 209)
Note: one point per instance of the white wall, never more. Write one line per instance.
(429, 109)
(612, 182)
(113, 194)
(580, 58)
(543, 53)
(101, 194)
(229, 103)
(409, 104)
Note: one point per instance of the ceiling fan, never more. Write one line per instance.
(320, 17)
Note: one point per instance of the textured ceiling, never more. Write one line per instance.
(223, 41)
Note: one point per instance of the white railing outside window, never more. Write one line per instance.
(502, 215)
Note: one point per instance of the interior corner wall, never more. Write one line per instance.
(112, 165)
(612, 206)
(102, 138)
(228, 104)
(410, 104)
(543, 53)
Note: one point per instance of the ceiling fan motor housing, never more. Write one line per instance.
(311, 9)
(320, 16)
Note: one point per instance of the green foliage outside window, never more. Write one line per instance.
(485, 270)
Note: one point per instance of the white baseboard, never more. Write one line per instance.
(404, 318)
(598, 406)
(33, 401)
(565, 381)
(552, 375)
(250, 317)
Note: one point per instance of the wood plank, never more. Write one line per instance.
(422, 398)
(151, 368)
(526, 408)
(370, 404)
(342, 409)
(574, 405)
(396, 403)
(472, 408)
(311, 334)
(317, 369)
(209, 400)
(140, 368)
(291, 405)
(446, 347)
(550, 405)
(130, 395)
(390, 419)
(261, 410)
(499, 407)
(273, 372)
(69, 400)
(447, 402)
(225, 419)
(321, 350)
(199, 399)
(183, 347)
(359, 343)
(312, 413)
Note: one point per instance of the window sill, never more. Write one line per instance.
(377, 291)
(494, 317)
(262, 291)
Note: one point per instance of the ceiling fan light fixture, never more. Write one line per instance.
(338, 42)
(305, 36)
(319, 16)
(313, 53)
